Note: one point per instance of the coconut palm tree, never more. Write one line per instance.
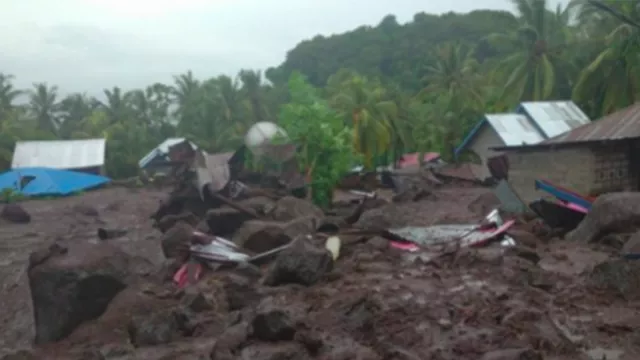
(43, 105)
(611, 80)
(532, 70)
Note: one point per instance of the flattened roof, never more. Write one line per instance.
(59, 154)
(554, 117)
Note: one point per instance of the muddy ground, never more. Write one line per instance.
(377, 302)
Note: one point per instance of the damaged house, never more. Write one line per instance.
(157, 160)
(531, 123)
(595, 158)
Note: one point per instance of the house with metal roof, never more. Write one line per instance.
(597, 157)
(86, 155)
(531, 123)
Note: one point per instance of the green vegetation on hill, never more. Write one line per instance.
(395, 88)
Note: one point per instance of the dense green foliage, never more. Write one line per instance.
(372, 93)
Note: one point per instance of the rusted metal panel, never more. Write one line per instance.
(59, 154)
(554, 118)
(623, 124)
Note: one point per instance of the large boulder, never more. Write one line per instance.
(225, 220)
(301, 263)
(259, 236)
(618, 277)
(72, 285)
(15, 213)
(614, 212)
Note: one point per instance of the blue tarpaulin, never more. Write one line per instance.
(49, 182)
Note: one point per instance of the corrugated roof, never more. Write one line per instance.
(160, 150)
(514, 129)
(622, 124)
(554, 117)
(59, 154)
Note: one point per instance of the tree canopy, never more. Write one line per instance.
(375, 92)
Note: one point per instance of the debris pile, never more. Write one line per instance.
(253, 270)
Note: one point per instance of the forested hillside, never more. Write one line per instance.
(384, 89)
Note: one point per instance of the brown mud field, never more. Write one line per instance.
(376, 302)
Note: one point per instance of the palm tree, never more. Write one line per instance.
(43, 105)
(251, 85)
(74, 111)
(532, 71)
(116, 105)
(8, 94)
(611, 80)
(366, 108)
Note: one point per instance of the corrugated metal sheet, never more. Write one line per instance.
(514, 129)
(554, 117)
(160, 150)
(623, 124)
(59, 154)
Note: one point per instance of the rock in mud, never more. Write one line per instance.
(260, 236)
(169, 221)
(619, 276)
(159, 328)
(69, 288)
(614, 212)
(378, 243)
(240, 291)
(230, 341)
(289, 208)
(197, 301)
(15, 213)
(273, 324)
(176, 241)
(523, 237)
(512, 354)
(302, 263)
(226, 220)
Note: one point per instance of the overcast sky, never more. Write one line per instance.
(87, 45)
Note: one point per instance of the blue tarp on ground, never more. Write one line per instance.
(49, 182)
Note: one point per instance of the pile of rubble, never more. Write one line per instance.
(253, 270)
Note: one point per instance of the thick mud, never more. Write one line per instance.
(376, 303)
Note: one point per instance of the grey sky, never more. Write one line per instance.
(88, 45)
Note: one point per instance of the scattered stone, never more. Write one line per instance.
(301, 263)
(74, 286)
(176, 241)
(259, 236)
(378, 243)
(289, 208)
(240, 292)
(272, 324)
(169, 221)
(196, 301)
(620, 277)
(158, 328)
(15, 213)
(610, 213)
(226, 220)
